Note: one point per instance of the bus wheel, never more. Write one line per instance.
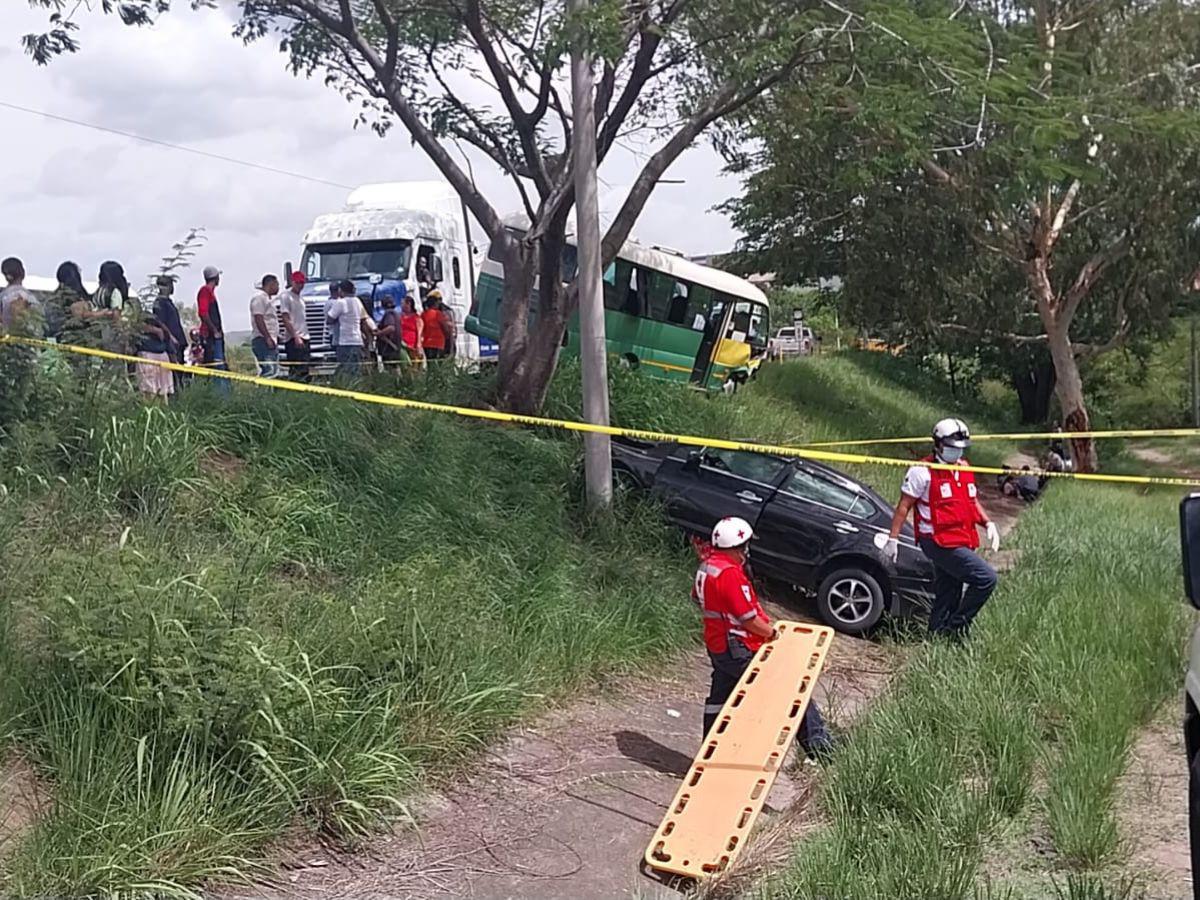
(629, 361)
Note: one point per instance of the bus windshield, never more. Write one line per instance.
(356, 259)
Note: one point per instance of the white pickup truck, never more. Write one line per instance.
(790, 341)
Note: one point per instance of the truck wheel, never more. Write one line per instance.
(850, 601)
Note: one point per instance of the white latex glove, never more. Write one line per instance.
(889, 546)
(993, 535)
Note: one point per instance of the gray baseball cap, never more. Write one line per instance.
(211, 272)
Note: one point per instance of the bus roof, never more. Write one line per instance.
(684, 269)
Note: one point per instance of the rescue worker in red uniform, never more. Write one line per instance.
(735, 625)
(946, 510)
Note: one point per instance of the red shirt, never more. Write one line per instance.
(206, 305)
(435, 337)
(408, 329)
(728, 601)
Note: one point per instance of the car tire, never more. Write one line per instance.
(850, 601)
(624, 482)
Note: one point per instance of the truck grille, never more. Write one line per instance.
(314, 318)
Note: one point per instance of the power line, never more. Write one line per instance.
(170, 146)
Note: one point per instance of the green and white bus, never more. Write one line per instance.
(664, 315)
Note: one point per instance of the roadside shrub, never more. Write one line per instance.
(144, 460)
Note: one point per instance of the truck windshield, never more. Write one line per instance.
(355, 259)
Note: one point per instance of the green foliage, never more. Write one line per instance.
(237, 614)
(927, 167)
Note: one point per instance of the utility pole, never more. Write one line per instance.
(597, 458)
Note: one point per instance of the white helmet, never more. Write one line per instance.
(952, 433)
(731, 532)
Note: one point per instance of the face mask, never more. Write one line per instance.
(951, 454)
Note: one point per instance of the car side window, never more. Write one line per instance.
(754, 466)
(811, 487)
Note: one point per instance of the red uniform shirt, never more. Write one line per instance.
(728, 601)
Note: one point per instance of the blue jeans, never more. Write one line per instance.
(962, 584)
(727, 669)
(268, 357)
(214, 358)
(349, 359)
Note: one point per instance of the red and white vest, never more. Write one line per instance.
(727, 601)
(953, 512)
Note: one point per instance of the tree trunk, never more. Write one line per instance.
(1034, 384)
(1069, 388)
(519, 270)
(529, 353)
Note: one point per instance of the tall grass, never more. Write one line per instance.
(1079, 645)
(238, 614)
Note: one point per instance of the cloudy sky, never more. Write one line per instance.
(75, 193)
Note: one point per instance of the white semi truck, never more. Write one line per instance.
(380, 240)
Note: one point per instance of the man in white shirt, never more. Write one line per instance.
(353, 325)
(947, 513)
(295, 325)
(265, 320)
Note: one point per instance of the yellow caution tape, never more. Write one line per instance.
(586, 427)
(1028, 436)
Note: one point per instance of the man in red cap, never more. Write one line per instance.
(295, 326)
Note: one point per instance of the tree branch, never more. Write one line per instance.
(1020, 340)
(483, 136)
(525, 125)
(491, 221)
(639, 74)
(721, 102)
(1050, 237)
(1091, 272)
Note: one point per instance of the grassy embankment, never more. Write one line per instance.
(228, 617)
(977, 753)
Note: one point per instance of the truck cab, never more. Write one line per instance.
(391, 240)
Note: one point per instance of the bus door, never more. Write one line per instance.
(714, 330)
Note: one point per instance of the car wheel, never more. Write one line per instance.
(624, 482)
(850, 601)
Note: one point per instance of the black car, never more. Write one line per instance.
(814, 527)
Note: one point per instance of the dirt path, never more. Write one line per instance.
(565, 806)
(1152, 808)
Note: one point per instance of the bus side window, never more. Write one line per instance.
(616, 285)
(759, 325)
(665, 296)
(699, 300)
(739, 324)
(635, 295)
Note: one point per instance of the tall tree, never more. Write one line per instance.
(1023, 174)
(667, 69)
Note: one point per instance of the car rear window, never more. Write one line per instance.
(812, 487)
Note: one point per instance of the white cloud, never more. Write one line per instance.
(75, 193)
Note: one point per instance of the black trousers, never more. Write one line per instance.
(727, 671)
(299, 356)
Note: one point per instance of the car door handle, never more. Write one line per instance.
(845, 527)
(749, 497)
